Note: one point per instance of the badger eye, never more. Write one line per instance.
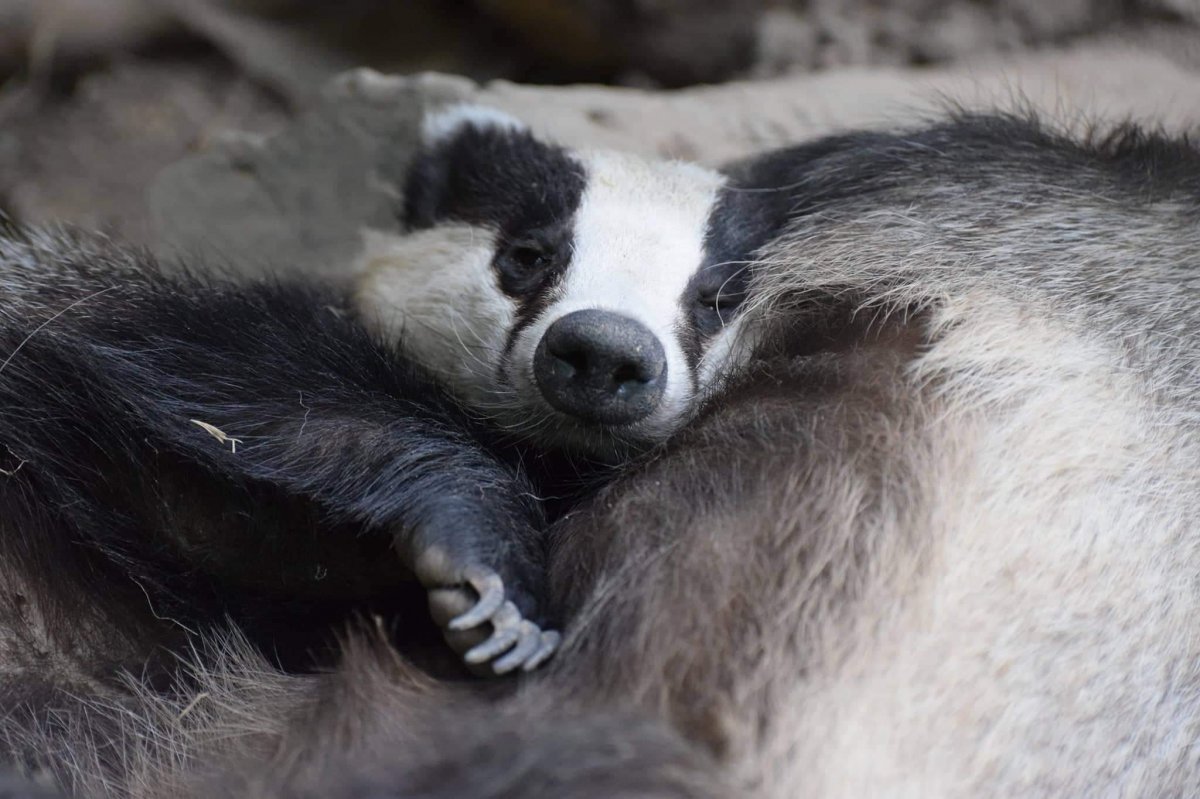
(719, 304)
(529, 257)
(526, 263)
(719, 301)
(716, 309)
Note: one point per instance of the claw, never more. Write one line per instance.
(548, 643)
(490, 588)
(507, 623)
(528, 642)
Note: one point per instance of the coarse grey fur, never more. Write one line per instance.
(940, 539)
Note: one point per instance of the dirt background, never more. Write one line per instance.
(97, 97)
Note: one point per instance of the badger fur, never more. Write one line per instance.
(936, 538)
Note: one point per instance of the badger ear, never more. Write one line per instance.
(448, 122)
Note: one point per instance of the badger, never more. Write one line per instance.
(183, 455)
(933, 536)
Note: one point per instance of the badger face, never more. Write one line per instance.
(581, 300)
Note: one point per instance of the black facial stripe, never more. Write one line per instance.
(493, 176)
(528, 312)
(692, 344)
(529, 309)
(690, 340)
(736, 228)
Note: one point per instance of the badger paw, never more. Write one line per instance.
(504, 641)
(485, 626)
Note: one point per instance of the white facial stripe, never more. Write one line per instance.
(638, 241)
(435, 291)
(639, 235)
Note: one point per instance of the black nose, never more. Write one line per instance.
(601, 367)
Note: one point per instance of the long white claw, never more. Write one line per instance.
(548, 644)
(528, 642)
(507, 624)
(490, 588)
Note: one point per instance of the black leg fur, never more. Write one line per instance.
(165, 441)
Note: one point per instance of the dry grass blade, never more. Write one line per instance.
(218, 434)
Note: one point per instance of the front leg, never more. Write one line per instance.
(262, 386)
(462, 522)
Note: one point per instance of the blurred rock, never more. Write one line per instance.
(685, 42)
(82, 146)
(296, 52)
(272, 53)
(290, 46)
(818, 34)
(300, 200)
(293, 45)
(1188, 9)
(671, 42)
(34, 30)
(88, 159)
(72, 30)
(297, 200)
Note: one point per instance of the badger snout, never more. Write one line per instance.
(601, 367)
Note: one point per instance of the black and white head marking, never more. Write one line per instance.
(584, 299)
